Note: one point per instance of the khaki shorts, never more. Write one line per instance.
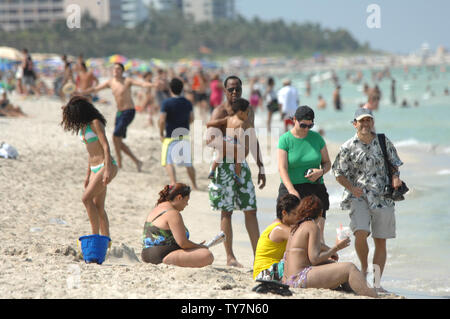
(380, 221)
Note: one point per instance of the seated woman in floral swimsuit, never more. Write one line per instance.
(306, 263)
(166, 238)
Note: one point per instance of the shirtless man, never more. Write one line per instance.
(121, 89)
(86, 79)
(235, 127)
(244, 197)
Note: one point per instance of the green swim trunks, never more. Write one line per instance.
(226, 195)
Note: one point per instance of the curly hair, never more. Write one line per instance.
(169, 192)
(310, 209)
(79, 112)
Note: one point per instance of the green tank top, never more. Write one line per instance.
(302, 154)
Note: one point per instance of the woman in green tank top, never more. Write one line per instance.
(303, 160)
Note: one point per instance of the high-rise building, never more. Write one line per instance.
(133, 12)
(22, 14)
(223, 9)
(209, 10)
(166, 5)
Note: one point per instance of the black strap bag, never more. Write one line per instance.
(390, 192)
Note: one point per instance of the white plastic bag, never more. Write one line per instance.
(7, 151)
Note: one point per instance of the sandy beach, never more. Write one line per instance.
(42, 216)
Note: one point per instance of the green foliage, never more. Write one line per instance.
(172, 36)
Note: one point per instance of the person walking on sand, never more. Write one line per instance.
(121, 89)
(359, 168)
(226, 195)
(81, 117)
(29, 74)
(175, 118)
(166, 238)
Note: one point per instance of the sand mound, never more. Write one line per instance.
(122, 255)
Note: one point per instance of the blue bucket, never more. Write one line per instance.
(94, 248)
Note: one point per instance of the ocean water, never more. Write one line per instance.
(418, 262)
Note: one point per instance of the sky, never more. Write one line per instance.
(403, 24)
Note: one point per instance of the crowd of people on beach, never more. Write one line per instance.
(292, 249)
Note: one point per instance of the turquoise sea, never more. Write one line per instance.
(419, 258)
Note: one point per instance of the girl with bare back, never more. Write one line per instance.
(307, 264)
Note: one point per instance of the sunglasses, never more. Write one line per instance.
(237, 89)
(303, 125)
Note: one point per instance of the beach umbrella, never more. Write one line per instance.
(158, 63)
(5, 65)
(10, 54)
(117, 58)
(144, 67)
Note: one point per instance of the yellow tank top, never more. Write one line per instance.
(267, 251)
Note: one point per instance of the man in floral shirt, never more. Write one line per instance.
(359, 167)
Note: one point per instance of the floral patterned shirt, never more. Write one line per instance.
(363, 165)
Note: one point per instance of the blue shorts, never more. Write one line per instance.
(123, 119)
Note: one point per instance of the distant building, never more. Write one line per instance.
(22, 14)
(133, 12)
(166, 5)
(209, 10)
(198, 10)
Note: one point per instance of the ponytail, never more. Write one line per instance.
(169, 192)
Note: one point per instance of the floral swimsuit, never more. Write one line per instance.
(157, 242)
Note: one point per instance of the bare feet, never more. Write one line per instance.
(381, 290)
(234, 263)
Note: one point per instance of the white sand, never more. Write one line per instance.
(41, 217)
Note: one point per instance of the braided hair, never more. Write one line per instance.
(169, 192)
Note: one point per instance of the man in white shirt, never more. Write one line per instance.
(288, 101)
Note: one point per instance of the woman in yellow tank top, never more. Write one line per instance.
(273, 240)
